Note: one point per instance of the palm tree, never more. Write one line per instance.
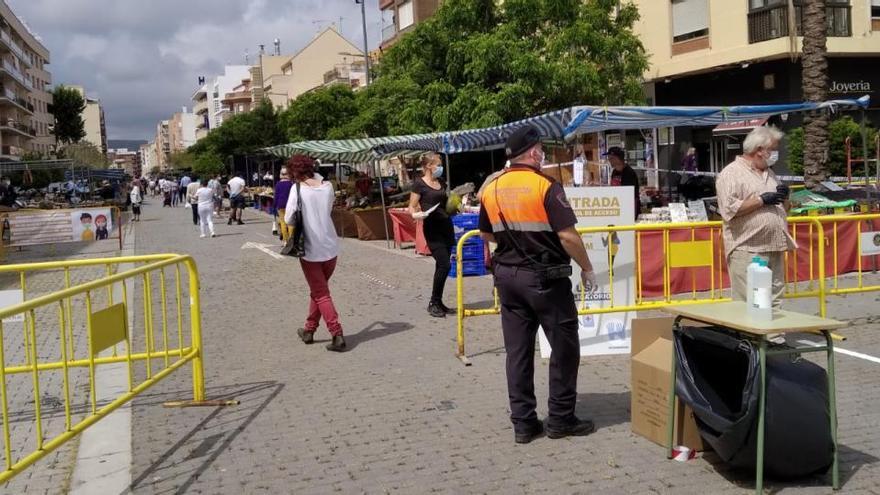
(815, 87)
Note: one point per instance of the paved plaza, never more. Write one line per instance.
(399, 413)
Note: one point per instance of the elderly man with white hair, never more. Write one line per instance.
(753, 204)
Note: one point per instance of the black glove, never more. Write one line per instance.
(772, 198)
(783, 190)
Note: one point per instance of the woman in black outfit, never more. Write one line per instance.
(428, 191)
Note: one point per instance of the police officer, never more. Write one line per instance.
(527, 214)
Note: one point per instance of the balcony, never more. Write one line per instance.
(16, 100)
(13, 72)
(16, 127)
(15, 48)
(388, 32)
(772, 22)
(13, 152)
(238, 97)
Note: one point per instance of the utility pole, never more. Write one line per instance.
(366, 47)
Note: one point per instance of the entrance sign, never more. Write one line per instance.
(614, 253)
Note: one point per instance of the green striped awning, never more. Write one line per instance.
(348, 150)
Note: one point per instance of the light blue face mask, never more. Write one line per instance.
(438, 172)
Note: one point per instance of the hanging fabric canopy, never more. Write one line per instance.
(343, 150)
(551, 125)
(595, 119)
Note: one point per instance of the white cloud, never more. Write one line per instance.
(143, 57)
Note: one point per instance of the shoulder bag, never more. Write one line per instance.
(296, 244)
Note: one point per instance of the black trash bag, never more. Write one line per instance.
(718, 377)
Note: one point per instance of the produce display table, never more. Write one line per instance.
(406, 229)
(370, 224)
(734, 316)
(344, 221)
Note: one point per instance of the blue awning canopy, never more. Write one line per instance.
(595, 119)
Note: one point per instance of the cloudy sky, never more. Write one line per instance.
(142, 58)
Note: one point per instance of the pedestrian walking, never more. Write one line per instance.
(282, 194)
(137, 198)
(316, 198)
(429, 195)
(175, 192)
(192, 198)
(236, 188)
(166, 192)
(753, 204)
(205, 206)
(528, 215)
(217, 186)
(185, 181)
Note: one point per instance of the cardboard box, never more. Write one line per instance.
(651, 376)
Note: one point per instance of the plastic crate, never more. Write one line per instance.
(473, 268)
(467, 221)
(471, 252)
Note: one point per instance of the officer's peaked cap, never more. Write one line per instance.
(521, 140)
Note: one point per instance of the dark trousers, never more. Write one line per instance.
(195, 211)
(440, 252)
(526, 302)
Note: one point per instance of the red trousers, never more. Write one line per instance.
(321, 305)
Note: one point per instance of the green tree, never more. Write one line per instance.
(479, 63)
(85, 154)
(67, 108)
(814, 75)
(209, 164)
(180, 160)
(320, 114)
(244, 133)
(838, 132)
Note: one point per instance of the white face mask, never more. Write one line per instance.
(773, 158)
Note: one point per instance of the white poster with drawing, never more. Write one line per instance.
(91, 225)
(614, 258)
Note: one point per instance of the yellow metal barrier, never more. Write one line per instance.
(92, 319)
(698, 254)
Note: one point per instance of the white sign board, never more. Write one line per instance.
(45, 227)
(678, 212)
(11, 298)
(607, 333)
(870, 243)
(699, 209)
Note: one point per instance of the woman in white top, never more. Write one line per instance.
(205, 198)
(321, 246)
(136, 200)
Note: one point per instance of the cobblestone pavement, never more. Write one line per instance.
(398, 413)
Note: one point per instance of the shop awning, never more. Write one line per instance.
(342, 150)
(595, 119)
(738, 127)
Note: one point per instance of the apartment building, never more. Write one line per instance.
(400, 16)
(352, 74)
(201, 108)
(232, 77)
(163, 145)
(730, 52)
(240, 99)
(93, 120)
(125, 159)
(25, 121)
(182, 130)
(149, 157)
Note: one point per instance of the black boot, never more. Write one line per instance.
(447, 309)
(576, 427)
(307, 337)
(435, 310)
(337, 345)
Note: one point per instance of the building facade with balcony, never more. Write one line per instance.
(93, 120)
(732, 52)
(219, 86)
(352, 74)
(201, 109)
(400, 16)
(240, 99)
(163, 145)
(25, 121)
(182, 130)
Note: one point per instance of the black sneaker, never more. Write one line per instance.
(577, 428)
(436, 311)
(528, 431)
(446, 309)
(337, 344)
(240, 222)
(229, 222)
(307, 337)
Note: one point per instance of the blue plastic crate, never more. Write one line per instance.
(470, 268)
(472, 251)
(467, 221)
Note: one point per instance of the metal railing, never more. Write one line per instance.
(15, 48)
(99, 327)
(10, 68)
(389, 32)
(699, 246)
(772, 22)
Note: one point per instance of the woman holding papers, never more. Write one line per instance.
(427, 203)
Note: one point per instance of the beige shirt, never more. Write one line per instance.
(764, 230)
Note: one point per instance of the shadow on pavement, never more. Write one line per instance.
(605, 409)
(253, 396)
(851, 461)
(375, 330)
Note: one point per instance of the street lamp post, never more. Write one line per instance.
(366, 48)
